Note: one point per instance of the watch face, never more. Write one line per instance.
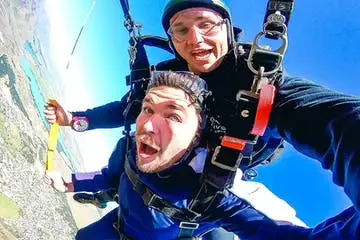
(80, 124)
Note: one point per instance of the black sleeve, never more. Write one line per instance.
(110, 115)
(324, 125)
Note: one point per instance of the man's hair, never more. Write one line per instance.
(194, 86)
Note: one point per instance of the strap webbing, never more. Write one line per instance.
(125, 8)
(285, 7)
(52, 142)
(187, 230)
(205, 197)
(153, 200)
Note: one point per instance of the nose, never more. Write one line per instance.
(194, 36)
(152, 125)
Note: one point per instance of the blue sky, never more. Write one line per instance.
(324, 39)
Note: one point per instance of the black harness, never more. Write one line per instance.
(231, 141)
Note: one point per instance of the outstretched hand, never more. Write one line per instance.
(54, 112)
(58, 182)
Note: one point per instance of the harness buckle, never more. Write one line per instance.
(153, 198)
(196, 214)
(189, 225)
(275, 56)
(187, 230)
(224, 166)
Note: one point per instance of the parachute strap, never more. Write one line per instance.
(187, 230)
(232, 142)
(225, 160)
(151, 199)
(125, 8)
(52, 142)
(260, 56)
(140, 69)
(266, 100)
(275, 27)
(254, 107)
(237, 140)
(285, 8)
(186, 216)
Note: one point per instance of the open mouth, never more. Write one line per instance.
(146, 151)
(201, 54)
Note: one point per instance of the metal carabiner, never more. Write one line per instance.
(278, 54)
(257, 49)
(273, 23)
(259, 80)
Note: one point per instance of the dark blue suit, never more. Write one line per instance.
(318, 122)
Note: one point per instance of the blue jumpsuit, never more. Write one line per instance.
(228, 211)
(318, 122)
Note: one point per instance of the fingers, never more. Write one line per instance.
(69, 186)
(54, 112)
(50, 114)
(51, 105)
(57, 182)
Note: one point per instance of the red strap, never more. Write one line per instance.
(231, 142)
(266, 100)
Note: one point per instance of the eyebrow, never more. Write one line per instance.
(175, 106)
(148, 100)
(172, 105)
(182, 23)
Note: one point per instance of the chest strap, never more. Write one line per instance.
(229, 152)
(233, 143)
(186, 216)
(223, 161)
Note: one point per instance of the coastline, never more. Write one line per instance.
(43, 212)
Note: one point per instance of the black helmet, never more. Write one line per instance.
(174, 6)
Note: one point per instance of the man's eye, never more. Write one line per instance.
(180, 31)
(206, 25)
(174, 118)
(147, 110)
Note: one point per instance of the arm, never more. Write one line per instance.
(96, 181)
(237, 216)
(58, 183)
(106, 116)
(345, 225)
(324, 125)
(86, 181)
(90, 181)
(109, 115)
(265, 201)
(108, 177)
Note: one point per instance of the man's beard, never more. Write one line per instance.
(156, 165)
(151, 167)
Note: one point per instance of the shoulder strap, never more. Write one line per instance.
(234, 141)
(285, 7)
(187, 217)
(151, 199)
